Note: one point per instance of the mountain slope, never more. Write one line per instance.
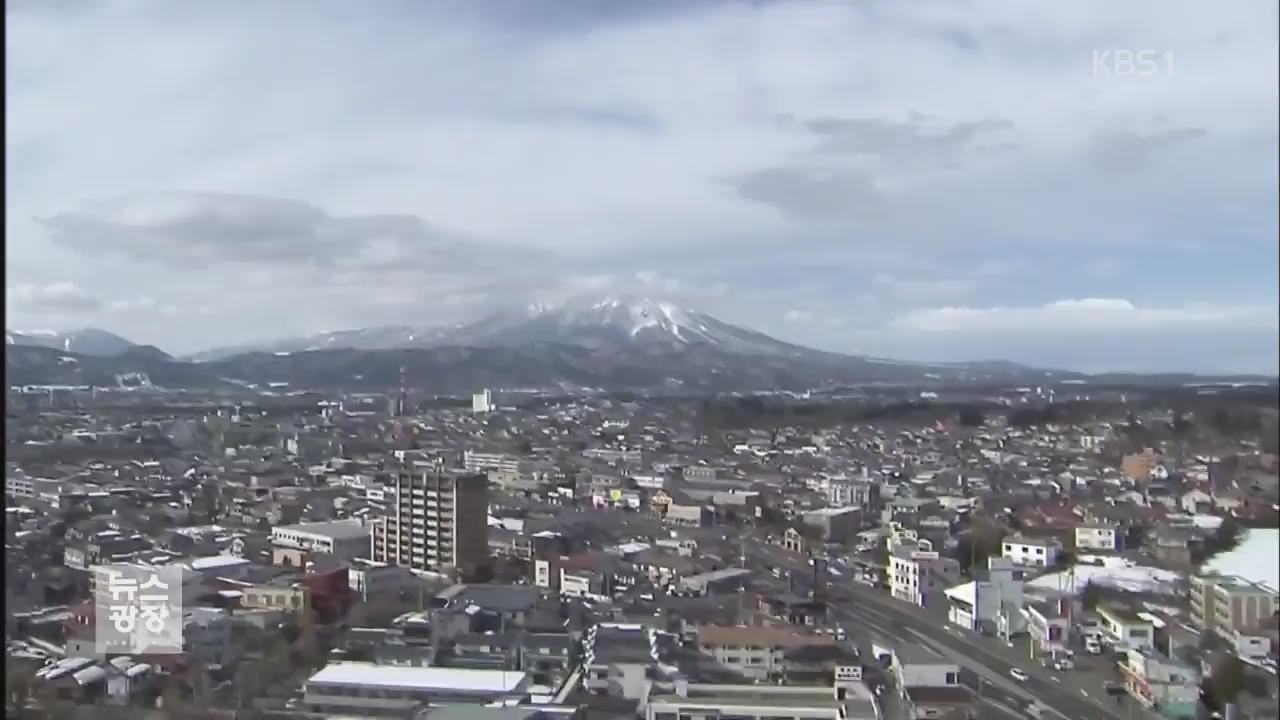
(605, 343)
(87, 341)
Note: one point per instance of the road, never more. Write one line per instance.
(985, 662)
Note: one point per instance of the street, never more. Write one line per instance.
(985, 662)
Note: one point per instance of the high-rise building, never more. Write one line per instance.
(482, 402)
(437, 520)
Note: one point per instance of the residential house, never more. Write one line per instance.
(1098, 538)
(1031, 552)
(757, 653)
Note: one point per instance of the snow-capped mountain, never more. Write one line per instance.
(613, 322)
(88, 341)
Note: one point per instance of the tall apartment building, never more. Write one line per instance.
(436, 521)
(1225, 604)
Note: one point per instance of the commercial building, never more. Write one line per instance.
(370, 690)
(851, 701)
(921, 577)
(1124, 629)
(436, 521)
(1157, 681)
(989, 604)
(347, 539)
(836, 524)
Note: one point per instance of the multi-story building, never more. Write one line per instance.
(835, 524)
(1124, 629)
(1031, 552)
(1224, 604)
(981, 604)
(1157, 681)
(347, 539)
(482, 402)
(475, 462)
(436, 521)
(1098, 537)
(757, 653)
(921, 577)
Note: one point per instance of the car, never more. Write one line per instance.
(1018, 675)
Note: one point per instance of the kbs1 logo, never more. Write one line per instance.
(1132, 63)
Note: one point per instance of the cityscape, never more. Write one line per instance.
(676, 360)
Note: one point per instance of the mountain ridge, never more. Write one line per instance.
(615, 341)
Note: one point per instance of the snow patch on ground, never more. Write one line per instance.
(1256, 558)
(1137, 578)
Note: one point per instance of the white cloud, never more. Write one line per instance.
(1089, 315)
(58, 297)
(813, 146)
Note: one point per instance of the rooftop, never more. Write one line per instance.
(419, 678)
(336, 529)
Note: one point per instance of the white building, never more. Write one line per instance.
(983, 603)
(1031, 552)
(482, 402)
(1097, 537)
(341, 538)
(920, 577)
(482, 461)
(366, 689)
(1125, 630)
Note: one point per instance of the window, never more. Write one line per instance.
(952, 678)
(1039, 551)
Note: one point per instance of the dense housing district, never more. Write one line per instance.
(872, 553)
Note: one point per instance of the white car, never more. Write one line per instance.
(1018, 675)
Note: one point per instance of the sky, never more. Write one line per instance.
(925, 180)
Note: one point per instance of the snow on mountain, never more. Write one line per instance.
(612, 322)
(88, 341)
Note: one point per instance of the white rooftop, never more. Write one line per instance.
(217, 561)
(420, 678)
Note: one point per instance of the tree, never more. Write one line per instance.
(1227, 680)
(971, 416)
(1091, 595)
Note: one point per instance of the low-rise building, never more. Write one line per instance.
(1103, 538)
(342, 538)
(755, 652)
(1124, 629)
(762, 702)
(1031, 552)
(367, 689)
(1161, 683)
